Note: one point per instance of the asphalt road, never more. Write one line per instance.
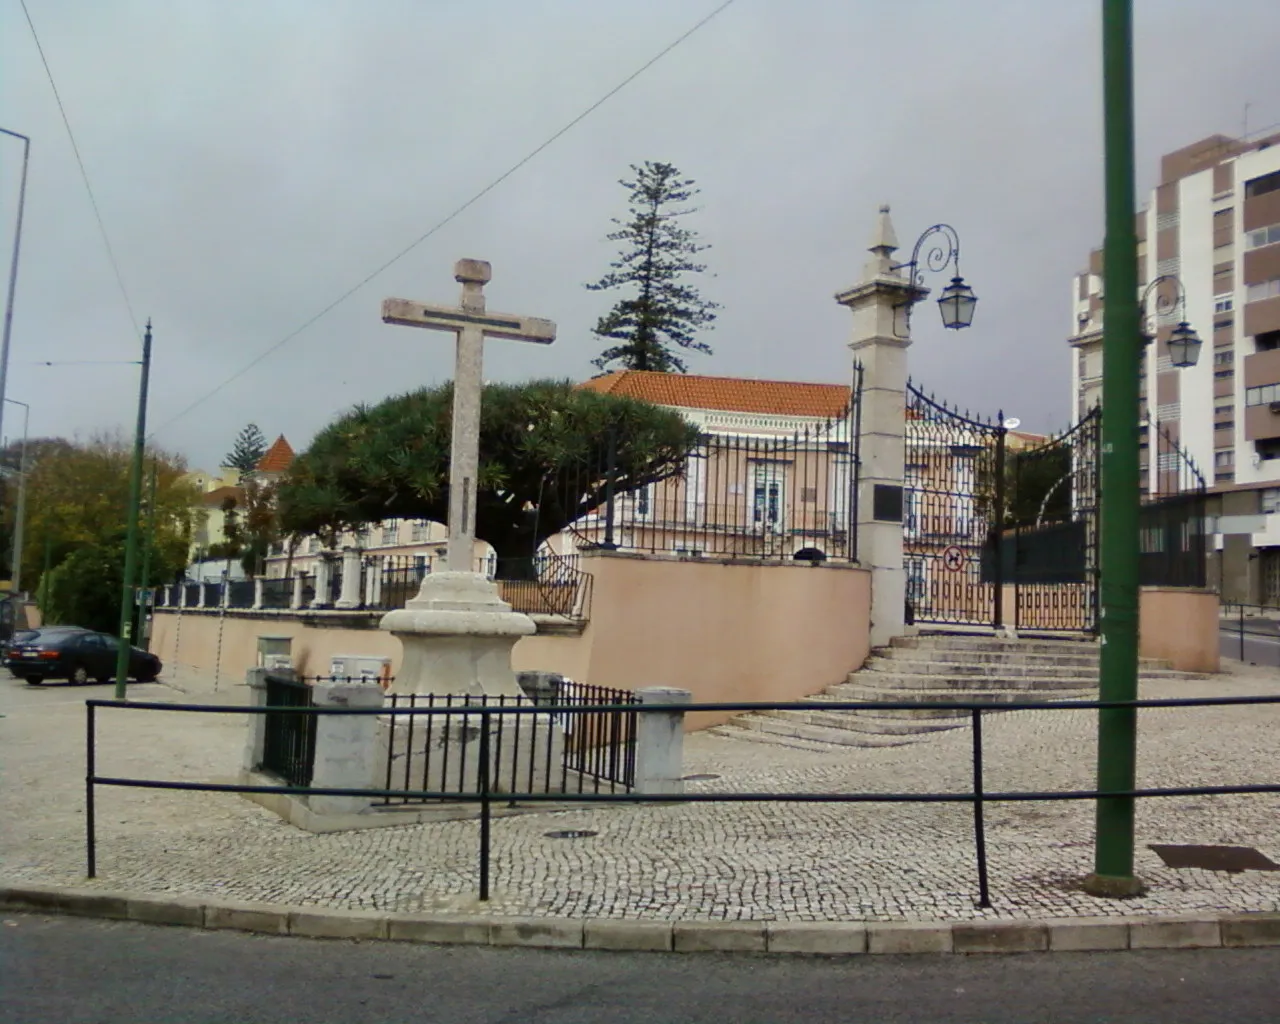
(1261, 644)
(73, 971)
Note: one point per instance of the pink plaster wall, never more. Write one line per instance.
(1180, 625)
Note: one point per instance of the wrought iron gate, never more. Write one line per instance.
(1051, 536)
(995, 534)
(953, 497)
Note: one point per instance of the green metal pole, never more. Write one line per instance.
(131, 534)
(146, 558)
(1118, 555)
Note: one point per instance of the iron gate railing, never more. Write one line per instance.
(289, 743)
(558, 752)
(953, 498)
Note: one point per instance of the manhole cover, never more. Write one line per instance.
(571, 833)
(700, 778)
(1215, 858)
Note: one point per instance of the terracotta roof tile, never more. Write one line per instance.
(278, 458)
(732, 394)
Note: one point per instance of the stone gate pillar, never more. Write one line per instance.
(881, 336)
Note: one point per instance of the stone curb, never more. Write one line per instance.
(780, 937)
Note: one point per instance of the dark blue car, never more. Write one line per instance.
(77, 656)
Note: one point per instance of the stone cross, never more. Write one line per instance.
(471, 325)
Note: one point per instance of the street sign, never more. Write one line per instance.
(954, 559)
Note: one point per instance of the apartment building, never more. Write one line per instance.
(1213, 222)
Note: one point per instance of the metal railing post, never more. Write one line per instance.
(485, 804)
(979, 825)
(90, 766)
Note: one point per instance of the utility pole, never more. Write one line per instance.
(1118, 555)
(13, 267)
(131, 535)
(148, 544)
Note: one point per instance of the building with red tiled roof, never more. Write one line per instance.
(727, 394)
(278, 458)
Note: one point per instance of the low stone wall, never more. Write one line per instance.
(724, 631)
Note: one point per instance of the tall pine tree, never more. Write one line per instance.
(248, 449)
(660, 313)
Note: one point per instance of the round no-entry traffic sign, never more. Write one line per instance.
(954, 559)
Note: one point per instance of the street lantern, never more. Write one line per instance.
(957, 303)
(1184, 345)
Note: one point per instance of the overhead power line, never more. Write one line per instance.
(272, 349)
(84, 173)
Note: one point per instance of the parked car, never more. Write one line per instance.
(79, 657)
(27, 636)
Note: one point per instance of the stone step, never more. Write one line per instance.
(946, 642)
(857, 722)
(943, 695)
(1086, 674)
(800, 730)
(967, 684)
(964, 657)
(1009, 670)
(733, 732)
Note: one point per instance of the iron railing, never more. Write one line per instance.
(739, 496)
(485, 793)
(552, 752)
(240, 593)
(289, 741)
(277, 592)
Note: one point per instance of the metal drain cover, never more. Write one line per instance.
(699, 778)
(1215, 858)
(571, 833)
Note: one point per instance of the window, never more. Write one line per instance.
(1259, 237)
(1267, 342)
(643, 497)
(418, 532)
(1224, 357)
(390, 533)
(766, 497)
(313, 545)
(1262, 290)
(1151, 540)
(1269, 500)
(1264, 395)
(1269, 449)
(1261, 186)
(1223, 303)
(1223, 458)
(361, 537)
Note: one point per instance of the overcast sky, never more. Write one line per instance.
(254, 160)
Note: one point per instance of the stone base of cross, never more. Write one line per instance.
(458, 633)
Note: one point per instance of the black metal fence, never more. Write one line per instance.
(484, 793)
(755, 494)
(289, 745)
(277, 592)
(1173, 548)
(576, 751)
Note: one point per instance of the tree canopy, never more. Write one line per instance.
(78, 494)
(660, 312)
(250, 445)
(538, 444)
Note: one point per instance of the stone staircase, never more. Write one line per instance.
(934, 668)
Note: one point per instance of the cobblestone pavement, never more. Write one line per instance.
(706, 862)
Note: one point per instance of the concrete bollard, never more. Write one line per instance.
(660, 741)
(255, 742)
(346, 753)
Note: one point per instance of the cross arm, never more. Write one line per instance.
(408, 313)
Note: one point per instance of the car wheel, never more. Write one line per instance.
(147, 677)
(35, 680)
(80, 675)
